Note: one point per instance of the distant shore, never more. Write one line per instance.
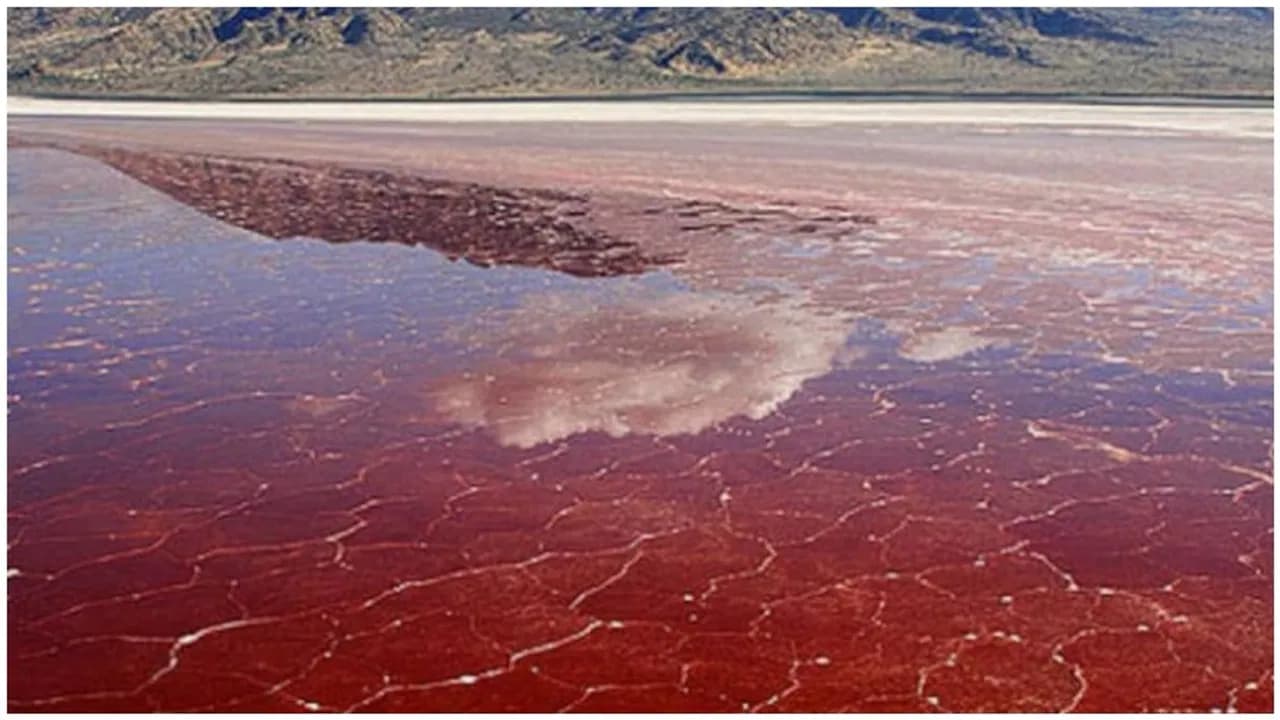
(1254, 122)
(868, 96)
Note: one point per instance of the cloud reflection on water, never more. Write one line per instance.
(659, 364)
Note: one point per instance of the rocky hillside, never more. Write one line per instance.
(443, 52)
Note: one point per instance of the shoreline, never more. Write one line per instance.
(1230, 100)
(1222, 121)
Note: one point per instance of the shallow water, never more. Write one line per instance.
(255, 474)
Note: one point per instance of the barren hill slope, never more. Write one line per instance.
(443, 52)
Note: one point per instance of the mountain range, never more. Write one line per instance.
(503, 52)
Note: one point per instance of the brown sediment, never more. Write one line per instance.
(15, 142)
(481, 224)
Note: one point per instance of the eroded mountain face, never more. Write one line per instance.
(511, 51)
(924, 418)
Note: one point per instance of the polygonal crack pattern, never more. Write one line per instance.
(842, 471)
